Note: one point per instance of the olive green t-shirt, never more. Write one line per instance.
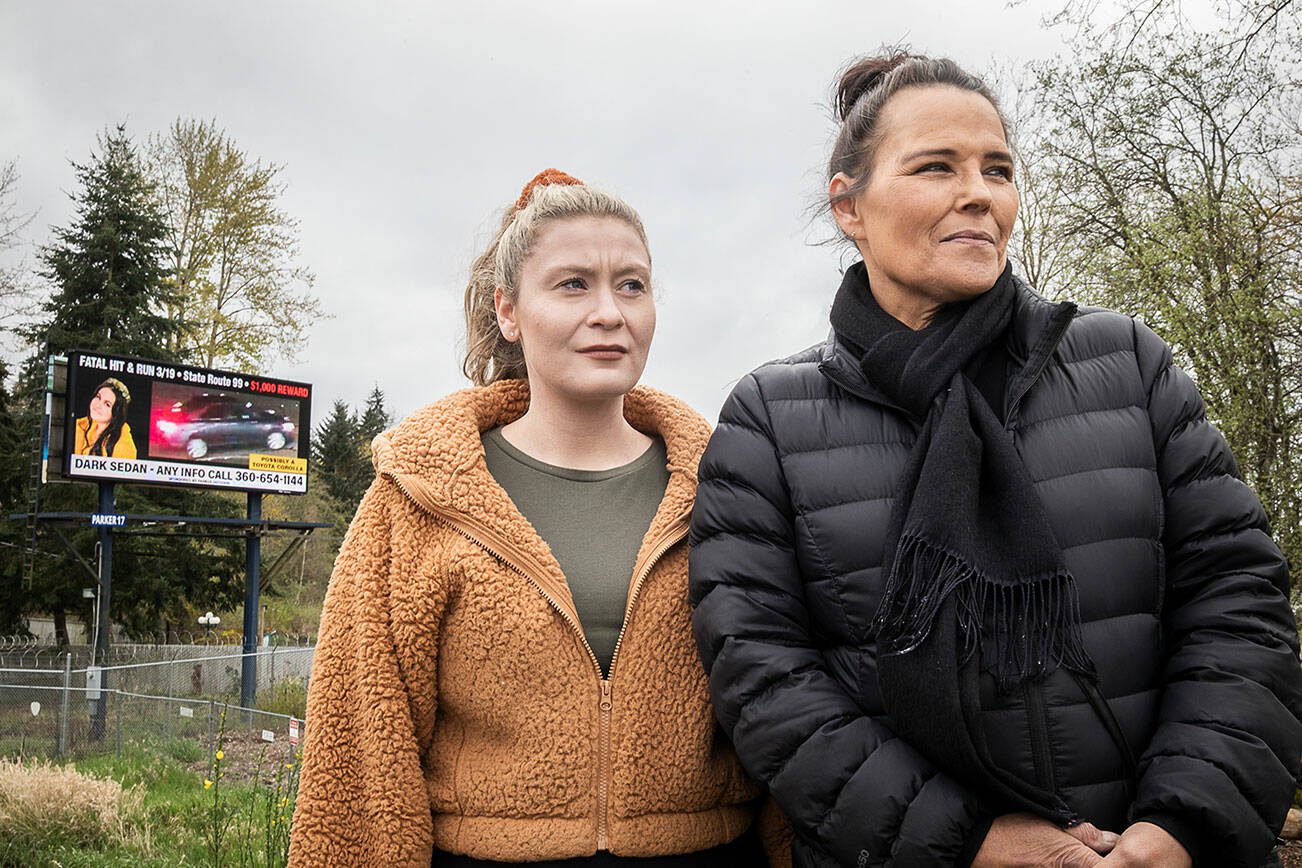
(594, 522)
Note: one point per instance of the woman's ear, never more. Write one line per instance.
(845, 209)
(506, 315)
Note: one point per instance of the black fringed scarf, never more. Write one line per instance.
(966, 522)
(975, 577)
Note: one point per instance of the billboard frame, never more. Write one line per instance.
(278, 474)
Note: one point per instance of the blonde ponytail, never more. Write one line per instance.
(489, 355)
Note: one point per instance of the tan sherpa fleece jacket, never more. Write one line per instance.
(454, 702)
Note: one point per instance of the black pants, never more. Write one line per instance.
(745, 852)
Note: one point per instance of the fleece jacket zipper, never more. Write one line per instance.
(502, 549)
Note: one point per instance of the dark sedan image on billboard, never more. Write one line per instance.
(201, 424)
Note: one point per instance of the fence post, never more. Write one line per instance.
(63, 705)
(171, 680)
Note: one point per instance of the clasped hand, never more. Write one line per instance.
(1028, 841)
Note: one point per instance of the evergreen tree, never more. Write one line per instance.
(162, 583)
(12, 540)
(342, 467)
(375, 418)
(107, 267)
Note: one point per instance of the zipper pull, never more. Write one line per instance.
(605, 694)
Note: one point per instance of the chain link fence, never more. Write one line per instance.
(188, 694)
(25, 652)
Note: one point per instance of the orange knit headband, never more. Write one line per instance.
(542, 179)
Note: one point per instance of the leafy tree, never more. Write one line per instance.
(13, 288)
(12, 446)
(1165, 180)
(241, 298)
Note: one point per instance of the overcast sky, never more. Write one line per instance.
(404, 127)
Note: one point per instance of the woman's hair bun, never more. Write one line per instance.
(864, 75)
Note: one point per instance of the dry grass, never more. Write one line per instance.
(43, 804)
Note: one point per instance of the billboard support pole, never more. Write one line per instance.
(252, 568)
(102, 621)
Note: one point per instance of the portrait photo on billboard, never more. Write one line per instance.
(137, 420)
(106, 421)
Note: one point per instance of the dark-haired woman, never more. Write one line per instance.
(975, 580)
(104, 431)
(506, 670)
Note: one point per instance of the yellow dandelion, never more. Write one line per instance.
(289, 765)
(221, 755)
(207, 784)
(284, 802)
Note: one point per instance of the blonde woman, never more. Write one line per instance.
(506, 671)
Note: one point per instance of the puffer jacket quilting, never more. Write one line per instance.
(1183, 603)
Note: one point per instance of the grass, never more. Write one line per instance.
(44, 806)
(287, 696)
(170, 814)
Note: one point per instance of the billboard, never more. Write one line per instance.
(135, 420)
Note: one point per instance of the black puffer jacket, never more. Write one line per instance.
(1183, 602)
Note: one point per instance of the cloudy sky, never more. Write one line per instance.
(403, 127)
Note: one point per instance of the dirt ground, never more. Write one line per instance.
(1291, 854)
(245, 755)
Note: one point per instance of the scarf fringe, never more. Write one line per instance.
(1025, 627)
